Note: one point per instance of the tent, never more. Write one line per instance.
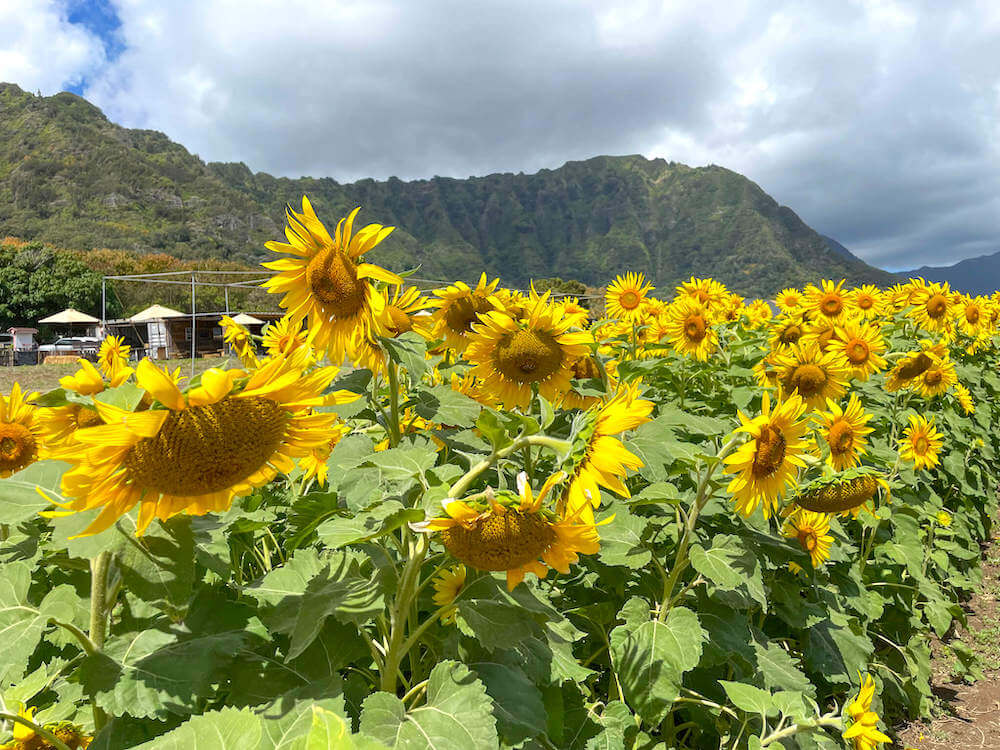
(247, 320)
(156, 312)
(69, 316)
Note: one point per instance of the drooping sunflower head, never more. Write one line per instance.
(939, 376)
(20, 433)
(240, 341)
(846, 492)
(194, 451)
(862, 347)
(448, 584)
(828, 301)
(844, 431)
(964, 398)
(921, 443)
(813, 374)
(283, 336)
(790, 300)
(459, 307)
(767, 464)
(625, 295)
(113, 355)
(863, 731)
(574, 312)
(513, 356)
(324, 280)
(812, 531)
(401, 312)
(689, 328)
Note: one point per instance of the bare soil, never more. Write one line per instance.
(968, 716)
(46, 377)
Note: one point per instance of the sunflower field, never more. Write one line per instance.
(483, 518)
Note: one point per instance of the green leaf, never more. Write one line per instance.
(384, 518)
(779, 670)
(621, 540)
(404, 463)
(749, 698)
(445, 406)
(458, 714)
(489, 424)
(22, 624)
(651, 660)
(517, 703)
(330, 731)
(125, 397)
(227, 729)
(730, 565)
(837, 648)
(19, 498)
(495, 625)
(159, 566)
(409, 350)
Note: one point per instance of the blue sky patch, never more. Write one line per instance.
(100, 18)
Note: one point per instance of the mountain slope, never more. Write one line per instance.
(71, 177)
(974, 275)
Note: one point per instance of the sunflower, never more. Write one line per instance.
(844, 431)
(584, 369)
(283, 335)
(20, 433)
(401, 312)
(767, 464)
(708, 293)
(813, 533)
(511, 356)
(514, 533)
(240, 341)
(943, 518)
(194, 452)
(26, 738)
(574, 312)
(964, 398)
(57, 424)
(913, 364)
(866, 302)
(932, 306)
(624, 296)
(459, 307)
(847, 492)
(811, 373)
(323, 280)
(604, 461)
(113, 355)
(786, 330)
(689, 328)
(448, 584)
(937, 378)
(864, 731)
(790, 300)
(921, 443)
(862, 346)
(828, 301)
(758, 314)
(314, 464)
(972, 316)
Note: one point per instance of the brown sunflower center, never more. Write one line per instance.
(921, 445)
(695, 328)
(790, 334)
(208, 448)
(17, 447)
(808, 379)
(839, 496)
(866, 302)
(499, 541)
(933, 377)
(401, 322)
(936, 306)
(528, 356)
(915, 366)
(972, 314)
(701, 295)
(807, 539)
(463, 312)
(841, 437)
(831, 304)
(629, 300)
(857, 351)
(87, 418)
(334, 281)
(770, 452)
(585, 369)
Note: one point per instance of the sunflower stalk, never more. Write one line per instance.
(40, 731)
(399, 614)
(392, 370)
(561, 447)
(99, 614)
(828, 720)
(681, 559)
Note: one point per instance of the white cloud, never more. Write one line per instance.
(41, 50)
(876, 120)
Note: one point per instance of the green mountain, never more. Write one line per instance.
(71, 177)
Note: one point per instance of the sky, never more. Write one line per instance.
(877, 121)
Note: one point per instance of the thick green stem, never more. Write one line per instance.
(559, 446)
(398, 613)
(393, 372)
(40, 731)
(99, 611)
(681, 559)
(804, 726)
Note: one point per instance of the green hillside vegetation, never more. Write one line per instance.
(70, 177)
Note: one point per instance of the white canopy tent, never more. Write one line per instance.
(70, 316)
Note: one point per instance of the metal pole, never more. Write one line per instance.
(194, 319)
(104, 292)
(227, 299)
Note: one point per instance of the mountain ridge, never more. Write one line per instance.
(979, 275)
(70, 176)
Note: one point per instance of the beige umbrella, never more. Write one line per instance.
(247, 320)
(156, 312)
(70, 316)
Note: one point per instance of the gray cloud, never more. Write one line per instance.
(878, 121)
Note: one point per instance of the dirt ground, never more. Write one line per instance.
(968, 716)
(46, 377)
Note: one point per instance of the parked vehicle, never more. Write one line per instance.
(83, 345)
